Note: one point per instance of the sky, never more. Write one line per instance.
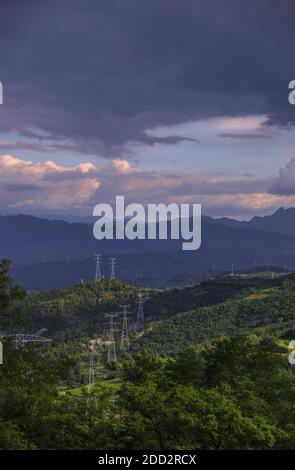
(157, 100)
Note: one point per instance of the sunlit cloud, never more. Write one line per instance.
(213, 127)
(244, 123)
(49, 186)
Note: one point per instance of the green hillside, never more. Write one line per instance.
(237, 393)
(269, 311)
(79, 310)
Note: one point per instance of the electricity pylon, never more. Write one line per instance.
(22, 339)
(91, 378)
(113, 263)
(97, 259)
(140, 314)
(232, 270)
(112, 355)
(92, 374)
(125, 333)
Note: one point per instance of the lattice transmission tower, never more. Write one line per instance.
(125, 313)
(111, 343)
(97, 259)
(140, 313)
(113, 264)
(92, 373)
(232, 269)
(22, 339)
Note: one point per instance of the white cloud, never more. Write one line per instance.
(123, 166)
(285, 183)
(21, 178)
(48, 186)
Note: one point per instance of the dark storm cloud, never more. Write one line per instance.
(97, 74)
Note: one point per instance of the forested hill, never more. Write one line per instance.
(79, 310)
(237, 393)
(267, 312)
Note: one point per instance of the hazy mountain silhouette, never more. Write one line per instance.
(31, 243)
(282, 221)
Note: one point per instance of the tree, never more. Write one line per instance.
(10, 297)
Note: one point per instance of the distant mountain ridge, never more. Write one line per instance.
(35, 246)
(281, 221)
(27, 239)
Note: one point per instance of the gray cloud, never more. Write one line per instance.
(96, 75)
(244, 135)
(15, 187)
(285, 183)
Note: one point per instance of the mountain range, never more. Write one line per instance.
(55, 253)
(282, 221)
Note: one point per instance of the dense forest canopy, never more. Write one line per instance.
(221, 381)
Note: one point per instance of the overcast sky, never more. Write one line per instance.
(159, 100)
